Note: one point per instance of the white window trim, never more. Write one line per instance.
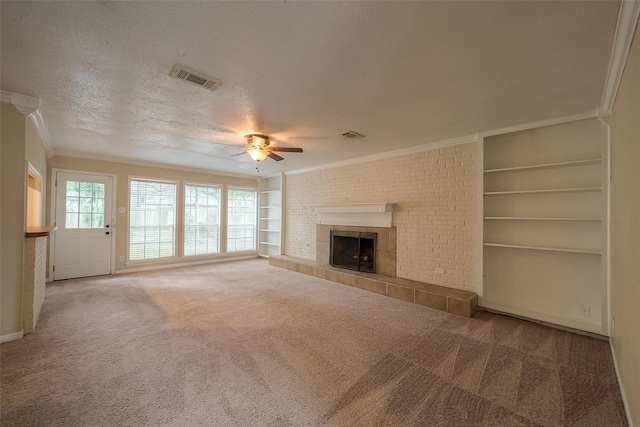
(175, 256)
(226, 215)
(220, 223)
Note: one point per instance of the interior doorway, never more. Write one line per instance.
(34, 197)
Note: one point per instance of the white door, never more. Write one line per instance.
(83, 217)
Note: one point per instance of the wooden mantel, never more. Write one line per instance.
(39, 231)
(360, 214)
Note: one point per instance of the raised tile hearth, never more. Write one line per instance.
(462, 303)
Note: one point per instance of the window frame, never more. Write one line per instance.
(221, 212)
(256, 191)
(176, 223)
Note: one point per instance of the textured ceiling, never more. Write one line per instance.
(403, 74)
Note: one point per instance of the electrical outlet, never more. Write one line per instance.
(585, 310)
(121, 258)
(122, 209)
(439, 270)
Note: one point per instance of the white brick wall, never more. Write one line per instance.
(40, 277)
(435, 213)
(35, 265)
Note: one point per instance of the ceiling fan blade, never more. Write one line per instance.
(286, 149)
(275, 157)
(238, 154)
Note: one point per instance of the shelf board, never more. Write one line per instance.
(555, 190)
(542, 248)
(519, 218)
(270, 244)
(546, 166)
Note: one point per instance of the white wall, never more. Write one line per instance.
(435, 192)
(12, 217)
(625, 230)
(36, 155)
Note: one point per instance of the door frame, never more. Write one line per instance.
(52, 214)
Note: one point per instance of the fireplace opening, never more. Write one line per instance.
(353, 250)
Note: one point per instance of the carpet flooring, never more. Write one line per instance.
(246, 344)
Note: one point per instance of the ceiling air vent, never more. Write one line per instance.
(195, 77)
(352, 135)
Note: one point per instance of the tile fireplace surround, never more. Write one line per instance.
(385, 245)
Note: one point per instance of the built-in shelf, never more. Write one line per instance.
(545, 223)
(271, 200)
(518, 218)
(546, 166)
(555, 190)
(542, 248)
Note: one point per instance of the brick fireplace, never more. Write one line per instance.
(374, 218)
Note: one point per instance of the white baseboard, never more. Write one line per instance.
(11, 337)
(186, 264)
(549, 324)
(539, 317)
(625, 402)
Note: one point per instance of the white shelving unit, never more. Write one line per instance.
(270, 216)
(544, 224)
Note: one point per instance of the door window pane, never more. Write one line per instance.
(84, 202)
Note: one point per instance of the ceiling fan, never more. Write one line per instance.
(259, 148)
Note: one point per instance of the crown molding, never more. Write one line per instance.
(396, 153)
(598, 113)
(627, 23)
(25, 104)
(41, 128)
(550, 122)
(115, 159)
(30, 107)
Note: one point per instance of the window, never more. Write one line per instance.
(241, 220)
(201, 219)
(84, 205)
(152, 219)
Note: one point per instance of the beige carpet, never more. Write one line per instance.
(243, 343)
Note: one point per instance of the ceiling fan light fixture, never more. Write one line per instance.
(257, 154)
(258, 141)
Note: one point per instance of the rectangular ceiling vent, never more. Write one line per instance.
(183, 73)
(352, 135)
